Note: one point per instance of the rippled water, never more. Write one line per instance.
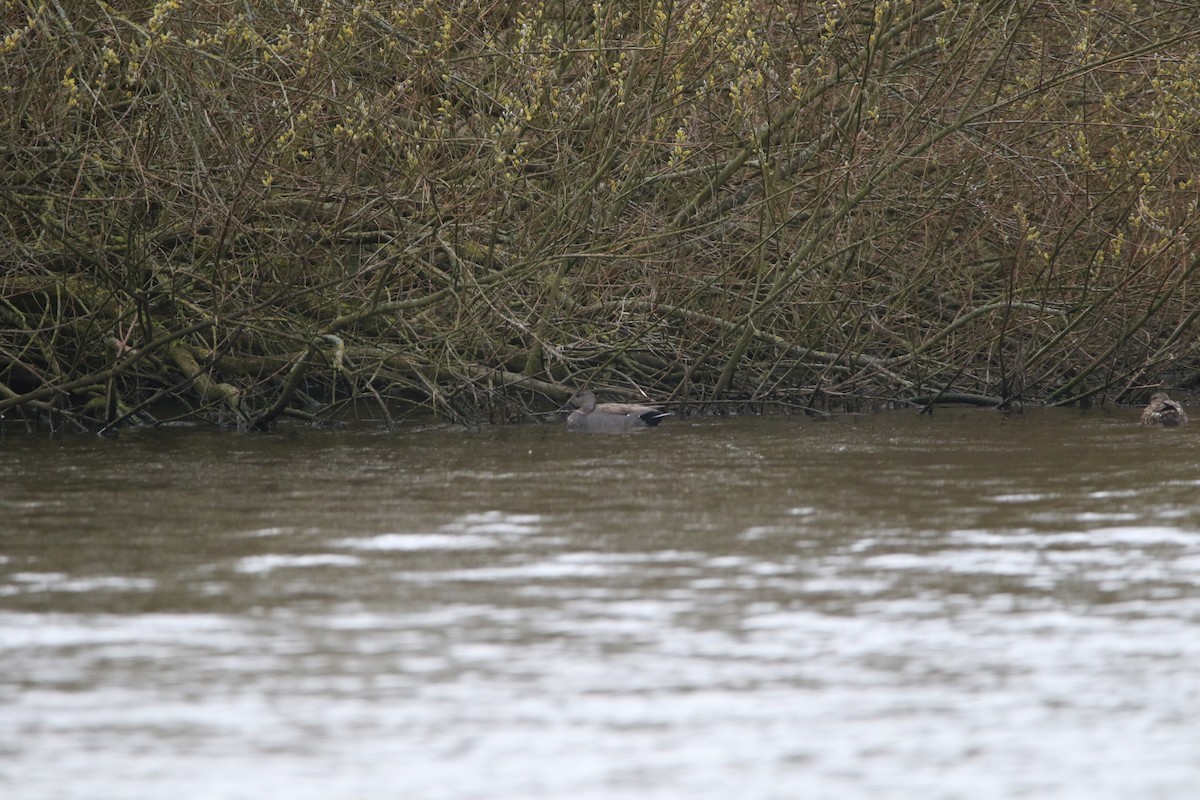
(888, 606)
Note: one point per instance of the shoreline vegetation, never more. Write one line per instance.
(262, 210)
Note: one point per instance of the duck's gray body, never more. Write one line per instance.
(610, 417)
(1164, 411)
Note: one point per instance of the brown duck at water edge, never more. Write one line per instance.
(610, 417)
(1164, 411)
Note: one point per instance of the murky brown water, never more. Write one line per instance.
(891, 606)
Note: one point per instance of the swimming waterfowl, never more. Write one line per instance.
(1164, 411)
(610, 417)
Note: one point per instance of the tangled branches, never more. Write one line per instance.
(253, 211)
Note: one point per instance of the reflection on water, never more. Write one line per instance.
(891, 606)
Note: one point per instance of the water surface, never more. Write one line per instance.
(891, 606)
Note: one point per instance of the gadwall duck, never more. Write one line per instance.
(610, 417)
(1163, 411)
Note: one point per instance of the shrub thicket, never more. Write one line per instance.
(266, 208)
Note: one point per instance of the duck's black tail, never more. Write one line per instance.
(652, 418)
